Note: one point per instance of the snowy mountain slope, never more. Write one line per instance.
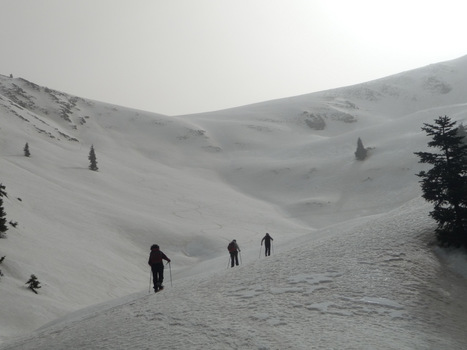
(315, 165)
(191, 183)
(79, 228)
(374, 284)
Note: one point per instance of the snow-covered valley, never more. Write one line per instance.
(353, 266)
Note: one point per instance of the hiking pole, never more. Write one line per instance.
(228, 262)
(240, 253)
(150, 280)
(260, 248)
(170, 272)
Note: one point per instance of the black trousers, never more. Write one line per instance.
(233, 257)
(157, 274)
(267, 249)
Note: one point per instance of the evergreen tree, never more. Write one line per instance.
(26, 150)
(445, 184)
(1, 260)
(93, 160)
(2, 191)
(33, 283)
(3, 226)
(361, 151)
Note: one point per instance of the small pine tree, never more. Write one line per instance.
(445, 184)
(26, 150)
(3, 226)
(33, 283)
(2, 191)
(361, 151)
(93, 160)
(1, 260)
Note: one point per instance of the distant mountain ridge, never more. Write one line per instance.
(342, 114)
(427, 87)
(338, 116)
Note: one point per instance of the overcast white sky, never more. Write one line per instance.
(187, 56)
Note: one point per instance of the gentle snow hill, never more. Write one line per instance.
(306, 143)
(373, 283)
(192, 183)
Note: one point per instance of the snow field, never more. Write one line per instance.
(337, 290)
(354, 265)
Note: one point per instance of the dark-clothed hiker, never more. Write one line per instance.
(233, 249)
(267, 244)
(157, 267)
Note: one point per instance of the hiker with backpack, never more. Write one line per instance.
(267, 244)
(157, 267)
(233, 249)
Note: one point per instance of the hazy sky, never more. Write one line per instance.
(187, 56)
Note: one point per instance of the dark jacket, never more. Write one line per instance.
(156, 257)
(267, 239)
(233, 247)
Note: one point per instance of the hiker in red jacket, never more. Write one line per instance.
(157, 268)
(233, 249)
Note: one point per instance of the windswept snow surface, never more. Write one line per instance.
(353, 267)
(369, 284)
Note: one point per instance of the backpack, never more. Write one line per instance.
(231, 247)
(155, 257)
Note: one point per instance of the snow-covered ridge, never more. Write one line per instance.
(191, 183)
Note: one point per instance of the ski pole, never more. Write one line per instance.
(228, 262)
(150, 276)
(170, 272)
(260, 248)
(240, 253)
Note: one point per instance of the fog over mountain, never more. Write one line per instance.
(353, 266)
